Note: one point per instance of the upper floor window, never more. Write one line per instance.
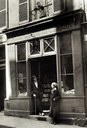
(23, 10)
(3, 13)
(40, 9)
(58, 5)
(30, 10)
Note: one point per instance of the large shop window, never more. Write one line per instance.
(66, 60)
(21, 69)
(3, 13)
(23, 10)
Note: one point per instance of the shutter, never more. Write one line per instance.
(58, 5)
(23, 10)
(3, 16)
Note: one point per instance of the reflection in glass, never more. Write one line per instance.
(35, 47)
(65, 45)
(67, 82)
(66, 64)
(21, 52)
(23, 12)
(22, 69)
(2, 53)
(22, 86)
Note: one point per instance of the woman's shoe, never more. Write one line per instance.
(54, 123)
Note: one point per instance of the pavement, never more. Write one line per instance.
(18, 122)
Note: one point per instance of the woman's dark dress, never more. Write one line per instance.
(55, 105)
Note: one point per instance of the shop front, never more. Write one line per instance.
(53, 54)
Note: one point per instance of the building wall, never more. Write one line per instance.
(14, 15)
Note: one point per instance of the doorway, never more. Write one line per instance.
(45, 70)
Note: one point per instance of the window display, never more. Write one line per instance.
(66, 62)
(21, 70)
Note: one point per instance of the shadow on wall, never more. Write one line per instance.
(13, 77)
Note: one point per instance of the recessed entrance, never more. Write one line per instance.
(45, 69)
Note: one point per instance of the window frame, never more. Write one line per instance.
(17, 76)
(24, 21)
(5, 9)
(42, 53)
(68, 74)
(34, 10)
(59, 11)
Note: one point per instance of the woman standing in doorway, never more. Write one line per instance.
(37, 95)
(55, 103)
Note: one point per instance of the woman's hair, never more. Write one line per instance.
(54, 84)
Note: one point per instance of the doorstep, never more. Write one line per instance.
(40, 117)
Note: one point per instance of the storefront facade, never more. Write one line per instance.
(52, 54)
(50, 46)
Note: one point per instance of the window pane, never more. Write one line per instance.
(22, 88)
(65, 43)
(23, 12)
(2, 4)
(67, 84)
(21, 1)
(49, 45)
(58, 5)
(35, 47)
(2, 18)
(66, 64)
(22, 69)
(2, 53)
(21, 52)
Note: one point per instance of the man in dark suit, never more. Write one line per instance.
(37, 95)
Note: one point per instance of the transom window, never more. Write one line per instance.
(41, 47)
(49, 44)
(34, 47)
